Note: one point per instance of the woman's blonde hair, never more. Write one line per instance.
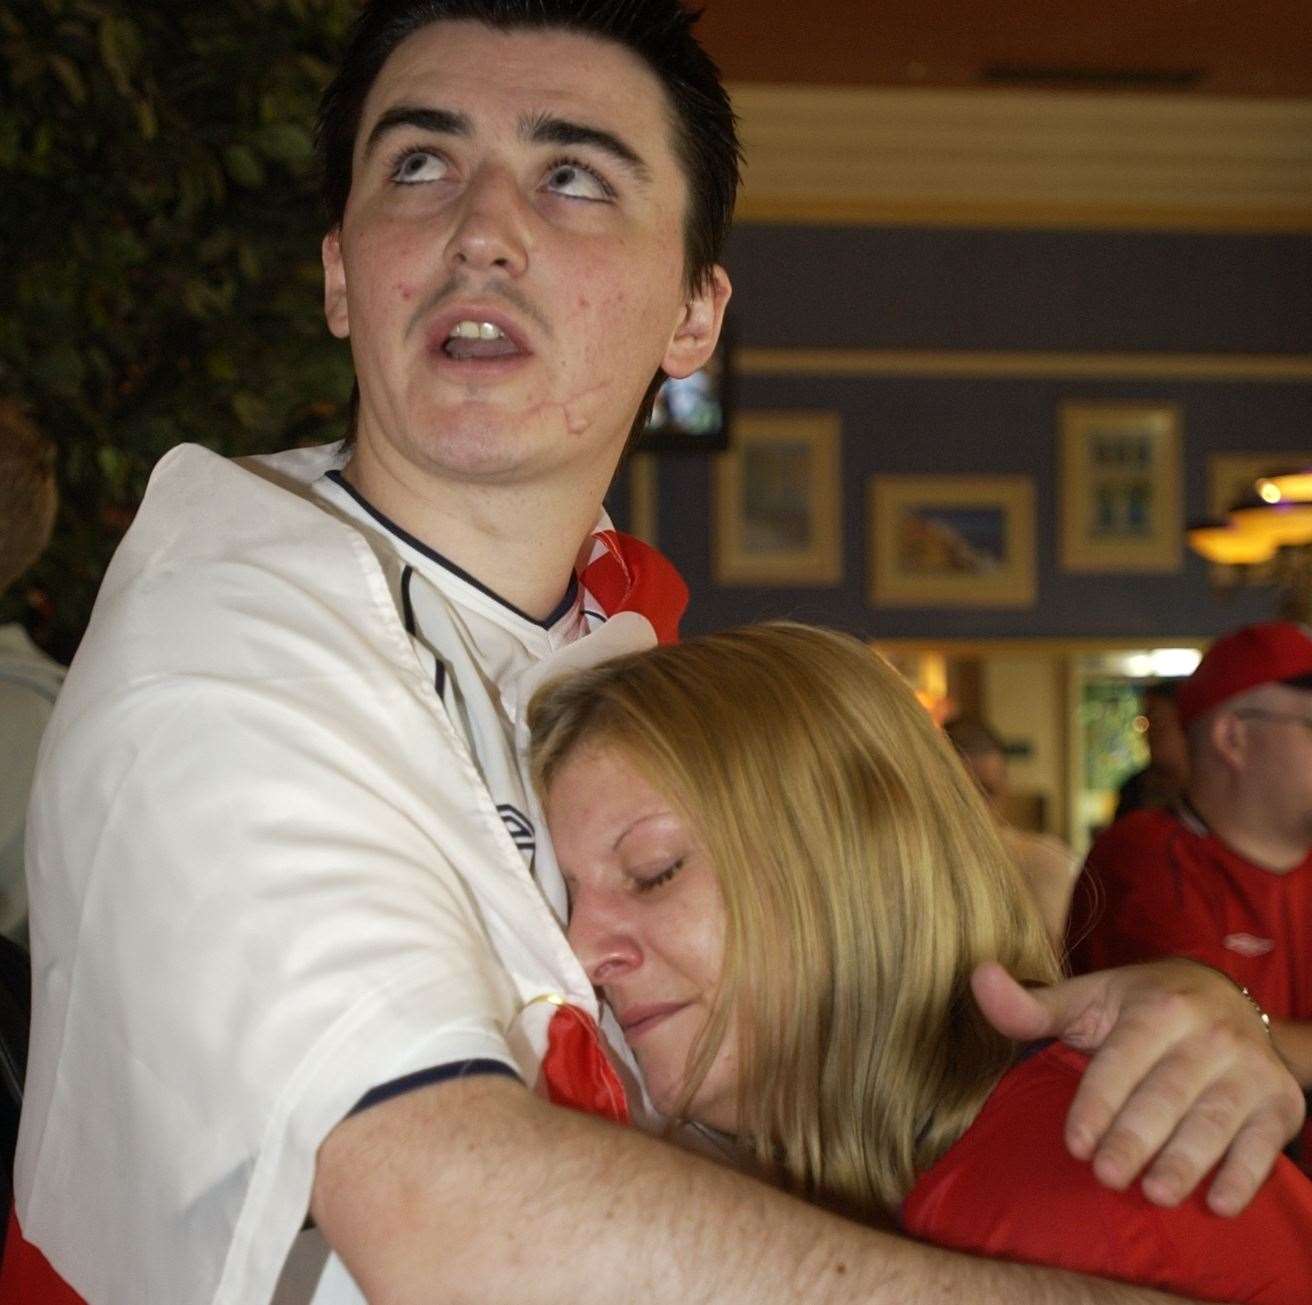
(862, 882)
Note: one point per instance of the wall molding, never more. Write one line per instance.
(1002, 364)
(881, 155)
(1039, 645)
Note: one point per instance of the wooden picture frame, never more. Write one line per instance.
(644, 497)
(1122, 506)
(951, 541)
(778, 501)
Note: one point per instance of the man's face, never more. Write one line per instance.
(510, 268)
(1278, 755)
(1168, 745)
(990, 771)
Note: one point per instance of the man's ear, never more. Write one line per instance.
(334, 285)
(1228, 735)
(698, 330)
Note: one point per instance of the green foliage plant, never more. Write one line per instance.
(160, 228)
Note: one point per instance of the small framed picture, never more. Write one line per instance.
(777, 501)
(1120, 487)
(951, 541)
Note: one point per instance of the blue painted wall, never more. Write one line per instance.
(1049, 291)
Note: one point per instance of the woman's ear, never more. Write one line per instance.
(698, 330)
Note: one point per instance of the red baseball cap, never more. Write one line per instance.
(1275, 652)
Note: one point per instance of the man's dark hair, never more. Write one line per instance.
(1160, 690)
(659, 32)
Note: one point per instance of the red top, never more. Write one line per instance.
(1009, 1188)
(1157, 883)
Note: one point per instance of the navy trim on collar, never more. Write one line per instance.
(459, 572)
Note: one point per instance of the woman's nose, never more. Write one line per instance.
(603, 940)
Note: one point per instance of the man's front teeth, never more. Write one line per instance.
(476, 331)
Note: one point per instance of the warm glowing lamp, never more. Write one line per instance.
(1230, 546)
(1279, 523)
(1288, 487)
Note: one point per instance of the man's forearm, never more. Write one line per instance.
(1293, 1039)
(477, 1191)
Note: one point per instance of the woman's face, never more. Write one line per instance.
(646, 920)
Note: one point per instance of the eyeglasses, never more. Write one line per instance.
(1260, 713)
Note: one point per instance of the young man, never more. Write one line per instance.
(298, 945)
(1224, 874)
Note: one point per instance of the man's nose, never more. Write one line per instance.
(491, 231)
(602, 940)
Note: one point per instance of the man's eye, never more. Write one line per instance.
(416, 166)
(577, 181)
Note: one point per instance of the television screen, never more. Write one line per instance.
(691, 415)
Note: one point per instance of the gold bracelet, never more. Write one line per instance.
(1253, 1002)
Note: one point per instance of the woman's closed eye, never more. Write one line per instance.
(645, 882)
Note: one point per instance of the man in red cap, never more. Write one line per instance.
(1224, 875)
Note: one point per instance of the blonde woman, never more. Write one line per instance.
(782, 878)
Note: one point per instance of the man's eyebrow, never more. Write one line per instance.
(548, 130)
(445, 121)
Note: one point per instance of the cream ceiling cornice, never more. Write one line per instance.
(875, 155)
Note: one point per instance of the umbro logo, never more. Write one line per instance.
(520, 829)
(1247, 945)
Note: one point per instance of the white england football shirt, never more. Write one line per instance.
(283, 855)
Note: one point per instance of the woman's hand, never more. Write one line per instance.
(1183, 1075)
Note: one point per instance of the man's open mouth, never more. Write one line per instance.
(468, 339)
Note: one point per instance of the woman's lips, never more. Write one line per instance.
(638, 1020)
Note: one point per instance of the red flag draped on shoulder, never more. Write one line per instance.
(625, 575)
(576, 1071)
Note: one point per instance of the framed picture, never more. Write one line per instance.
(693, 414)
(1120, 487)
(777, 501)
(644, 497)
(1230, 476)
(951, 541)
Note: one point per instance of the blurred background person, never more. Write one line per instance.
(1163, 779)
(29, 679)
(1224, 874)
(1048, 866)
